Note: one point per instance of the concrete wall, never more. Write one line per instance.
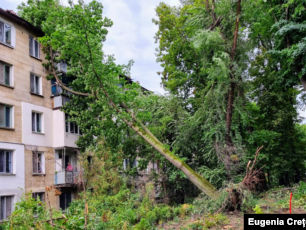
(60, 137)
(20, 137)
(39, 182)
(23, 64)
(13, 134)
(59, 129)
(45, 138)
(70, 139)
(14, 184)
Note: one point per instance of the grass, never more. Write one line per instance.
(275, 200)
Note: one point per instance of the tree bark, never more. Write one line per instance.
(231, 92)
(303, 81)
(193, 176)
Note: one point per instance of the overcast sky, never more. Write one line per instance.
(131, 36)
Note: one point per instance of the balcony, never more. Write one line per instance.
(59, 95)
(59, 101)
(66, 167)
(66, 178)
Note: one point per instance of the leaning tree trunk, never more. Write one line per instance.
(193, 176)
(146, 134)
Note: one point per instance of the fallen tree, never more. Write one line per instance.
(74, 35)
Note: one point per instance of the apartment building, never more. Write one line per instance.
(37, 142)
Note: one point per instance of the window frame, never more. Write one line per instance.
(34, 125)
(3, 213)
(3, 32)
(10, 74)
(34, 88)
(7, 164)
(11, 116)
(40, 195)
(71, 126)
(39, 169)
(34, 47)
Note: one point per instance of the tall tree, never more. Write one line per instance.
(203, 53)
(75, 35)
(278, 29)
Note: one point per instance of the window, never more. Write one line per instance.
(35, 83)
(39, 195)
(36, 122)
(38, 163)
(5, 206)
(6, 161)
(5, 74)
(34, 47)
(70, 126)
(65, 199)
(5, 33)
(129, 163)
(6, 118)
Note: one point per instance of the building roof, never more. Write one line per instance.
(130, 81)
(13, 17)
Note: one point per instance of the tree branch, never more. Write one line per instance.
(58, 80)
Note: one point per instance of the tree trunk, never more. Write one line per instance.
(229, 114)
(231, 92)
(145, 133)
(193, 176)
(303, 80)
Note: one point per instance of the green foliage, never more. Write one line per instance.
(30, 213)
(298, 198)
(110, 205)
(276, 73)
(249, 201)
(36, 11)
(204, 205)
(105, 212)
(199, 70)
(210, 221)
(257, 209)
(214, 220)
(269, 63)
(112, 106)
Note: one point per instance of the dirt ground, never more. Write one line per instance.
(272, 202)
(235, 221)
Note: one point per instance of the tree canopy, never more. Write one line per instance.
(233, 68)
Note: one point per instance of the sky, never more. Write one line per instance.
(130, 38)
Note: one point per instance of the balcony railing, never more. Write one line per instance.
(56, 89)
(66, 177)
(60, 101)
